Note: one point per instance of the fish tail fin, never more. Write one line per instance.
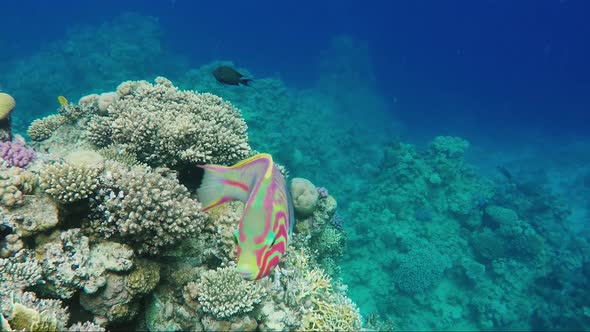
(222, 184)
(246, 81)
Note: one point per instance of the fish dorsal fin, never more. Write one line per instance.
(222, 184)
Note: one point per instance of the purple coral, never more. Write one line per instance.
(16, 154)
(323, 192)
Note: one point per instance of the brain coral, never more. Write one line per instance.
(305, 196)
(146, 209)
(164, 126)
(7, 103)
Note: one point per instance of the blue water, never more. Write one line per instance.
(510, 77)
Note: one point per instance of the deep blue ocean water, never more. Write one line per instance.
(502, 65)
(511, 77)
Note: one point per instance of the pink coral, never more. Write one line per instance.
(16, 154)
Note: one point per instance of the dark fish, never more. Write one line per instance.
(504, 171)
(228, 75)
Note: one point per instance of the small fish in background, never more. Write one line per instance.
(228, 75)
(62, 101)
(267, 221)
(506, 173)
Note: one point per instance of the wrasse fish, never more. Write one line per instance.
(62, 101)
(267, 222)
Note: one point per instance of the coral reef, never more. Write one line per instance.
(178, 127)
(103, 219)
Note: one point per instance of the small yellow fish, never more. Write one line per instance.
(62, 101)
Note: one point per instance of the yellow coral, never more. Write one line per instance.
(7, 104)
(338, 314)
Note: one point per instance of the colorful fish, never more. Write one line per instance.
(62, 101)
(267, 222)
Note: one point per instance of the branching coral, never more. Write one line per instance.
(164, 126)
(224, 293)
(16, 154)
(68, 183)
(42, 129)
(144, 209)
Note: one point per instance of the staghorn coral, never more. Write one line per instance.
(144, 209)
(223, 293)
(67, 183)
(42, 129)
(320, 306)
(16, 154)
(164, 126)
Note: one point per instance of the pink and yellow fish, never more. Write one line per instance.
(267, 222)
